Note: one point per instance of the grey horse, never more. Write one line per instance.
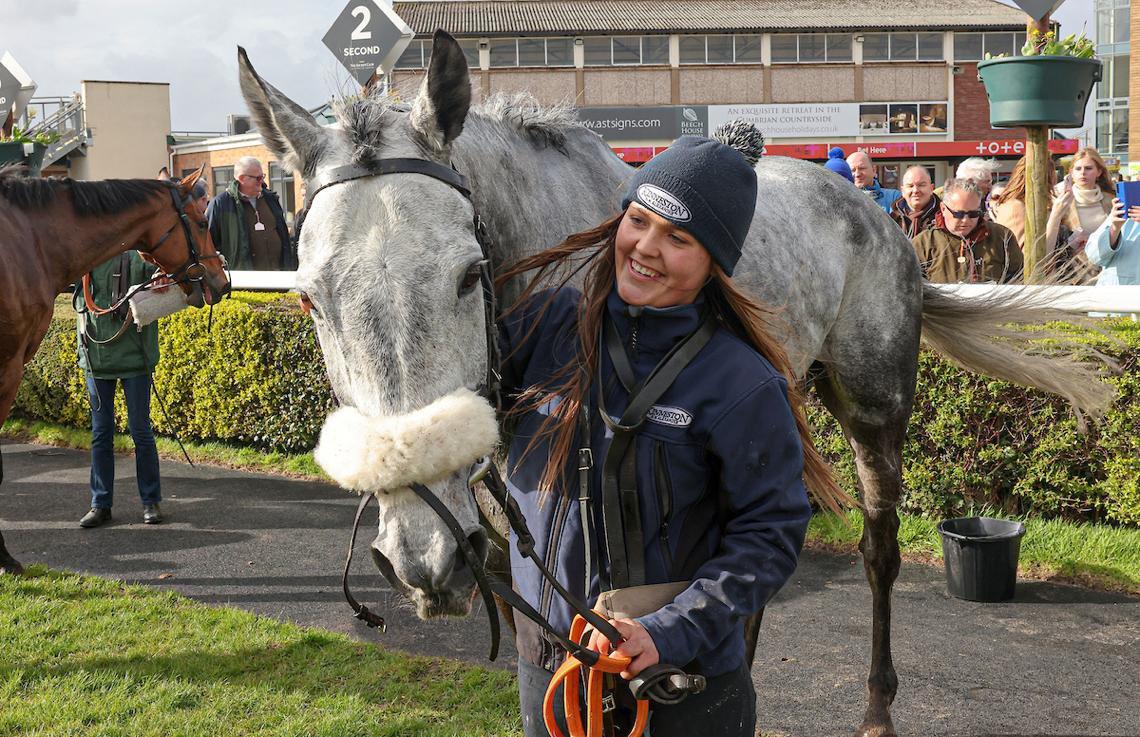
(386, 264)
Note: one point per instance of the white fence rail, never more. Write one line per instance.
(1075, 299)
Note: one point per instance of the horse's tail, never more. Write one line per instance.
(992, 335)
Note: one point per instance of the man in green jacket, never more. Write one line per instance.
(247, 223)
(110, 350)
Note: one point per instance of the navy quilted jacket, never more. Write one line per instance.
(719, 474)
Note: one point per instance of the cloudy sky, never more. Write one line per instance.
(193, 46)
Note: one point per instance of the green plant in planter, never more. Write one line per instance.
(19, 135)
(1047, 44)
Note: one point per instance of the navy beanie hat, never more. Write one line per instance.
(837, 163)
(707, 186)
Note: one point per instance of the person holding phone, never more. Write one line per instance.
(1115, 246)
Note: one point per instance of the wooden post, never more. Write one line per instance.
(1038, 197)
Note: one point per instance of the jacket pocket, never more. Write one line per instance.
(664, 499)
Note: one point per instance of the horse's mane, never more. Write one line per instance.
(107, 197)
(363, 118)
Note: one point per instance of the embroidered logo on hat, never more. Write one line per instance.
(663, 203)
(672, 416)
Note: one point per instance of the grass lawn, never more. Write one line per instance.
(1092, 555)
(86, 656)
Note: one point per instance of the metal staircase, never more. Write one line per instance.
(66, 120)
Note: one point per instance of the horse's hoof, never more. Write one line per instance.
(11, 567)
(877, 730)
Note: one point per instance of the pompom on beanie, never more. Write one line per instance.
(837, 163)
(707, 186)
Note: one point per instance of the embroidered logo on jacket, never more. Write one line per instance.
(671, 416)
(663, 203)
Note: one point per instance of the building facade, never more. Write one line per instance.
(898, 82)
(1113, 31)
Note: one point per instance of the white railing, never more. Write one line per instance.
(1075, 299)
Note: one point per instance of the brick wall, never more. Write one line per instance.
(972, 109)
(1133, 94)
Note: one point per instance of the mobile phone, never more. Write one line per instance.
(1129, 195)
(1068, 181)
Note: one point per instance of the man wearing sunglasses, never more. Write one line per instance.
(248, 224)
(963, 246)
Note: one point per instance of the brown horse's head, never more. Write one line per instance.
(183, 247)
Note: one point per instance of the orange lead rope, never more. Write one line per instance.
(568, 677)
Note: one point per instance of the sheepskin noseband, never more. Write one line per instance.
(371, 454)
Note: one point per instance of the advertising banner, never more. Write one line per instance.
(825, 120)
(650, 123)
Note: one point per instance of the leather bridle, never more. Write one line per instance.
(192, 270)
(484, 470)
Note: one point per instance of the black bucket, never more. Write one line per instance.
(981, 554)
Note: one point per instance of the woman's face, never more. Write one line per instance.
(658, 264)
(1084, 172)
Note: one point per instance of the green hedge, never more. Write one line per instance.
(257, 378)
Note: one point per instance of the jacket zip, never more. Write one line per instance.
(665, 500)
(550, 560)
(634, 324)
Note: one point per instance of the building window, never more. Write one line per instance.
(902, 47)
(601, 51)
(975, 46)
(532, 52)
(222, 176)
(413, 56)
(418, 53)
(281, 182)
(721, 49)
(654, 49)
(1115, 78)
(1112, 127)
(811, 47)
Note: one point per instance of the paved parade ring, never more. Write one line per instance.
(1059, 660)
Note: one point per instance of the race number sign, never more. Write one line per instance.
(367, 37)
(9, 86)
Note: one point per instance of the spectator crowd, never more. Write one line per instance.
(972, 229)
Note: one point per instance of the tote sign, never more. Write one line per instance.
(366, 37)
(9, 86)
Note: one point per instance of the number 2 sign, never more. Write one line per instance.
(368, 38)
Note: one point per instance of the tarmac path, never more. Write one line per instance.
(1058, 661)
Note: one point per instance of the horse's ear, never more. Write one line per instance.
(288, 129)
(445, 96)
(187, 182)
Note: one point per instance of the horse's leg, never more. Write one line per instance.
(8, 564)
(876, 435)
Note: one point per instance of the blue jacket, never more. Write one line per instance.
(1121, 264)
(720, 446)
(884, 198)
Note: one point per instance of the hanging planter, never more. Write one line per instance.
(29, 154)
(1048, 91)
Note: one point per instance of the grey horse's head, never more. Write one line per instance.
(390, 266)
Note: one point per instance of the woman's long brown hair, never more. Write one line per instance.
(1015, 188)
(593, 251)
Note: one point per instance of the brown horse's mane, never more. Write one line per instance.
(108, 197)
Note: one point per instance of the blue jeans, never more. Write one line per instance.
(136, 390)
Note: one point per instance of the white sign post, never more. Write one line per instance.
(368, 38)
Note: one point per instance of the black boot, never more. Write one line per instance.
(95, 517)
(9, 566)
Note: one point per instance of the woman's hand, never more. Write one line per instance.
(1134, 213)
(1061, 204)
(1116, 220)
(638, 646)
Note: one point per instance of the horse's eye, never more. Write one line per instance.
(471, 278)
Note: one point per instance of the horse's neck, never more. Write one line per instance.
(73, 245)
(533, 197)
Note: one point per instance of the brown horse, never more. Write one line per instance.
(53, 231)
